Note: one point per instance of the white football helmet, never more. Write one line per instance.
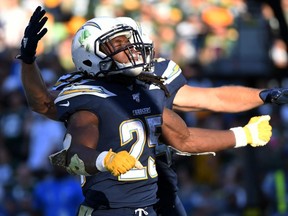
(88, 56)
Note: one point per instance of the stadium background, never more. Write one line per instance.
(216, 42)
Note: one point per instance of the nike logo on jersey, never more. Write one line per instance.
(67, 104)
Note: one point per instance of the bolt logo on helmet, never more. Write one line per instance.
(89, 56)
(84, 35)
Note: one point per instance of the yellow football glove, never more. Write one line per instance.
(119, 163)
(257, 132)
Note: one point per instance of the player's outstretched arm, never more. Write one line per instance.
(197, 140)
(227, 98)
(38, 97)
(218, 99)
(79, 155)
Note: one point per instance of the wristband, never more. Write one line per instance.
(240, 137)
(100, 161)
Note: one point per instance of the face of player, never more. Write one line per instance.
(122, 43)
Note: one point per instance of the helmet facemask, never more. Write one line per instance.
(138, 53)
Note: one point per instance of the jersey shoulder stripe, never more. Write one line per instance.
(76, 90)
(69, 79)
(167, 69)
(172, 72)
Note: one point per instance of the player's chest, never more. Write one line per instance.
(134, 103)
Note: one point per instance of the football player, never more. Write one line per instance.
(113, 111)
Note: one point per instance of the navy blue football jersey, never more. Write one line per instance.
(129, 116)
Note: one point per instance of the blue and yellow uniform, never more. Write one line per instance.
(130, 119)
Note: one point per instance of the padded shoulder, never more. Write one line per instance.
(81, 90)
(69, 79)
(167, 69)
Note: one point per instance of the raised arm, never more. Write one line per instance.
(226, 98)
(38, 97)
(197, 140)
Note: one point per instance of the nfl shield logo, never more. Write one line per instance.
(136, 97)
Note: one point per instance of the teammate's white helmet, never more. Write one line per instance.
(87, 55)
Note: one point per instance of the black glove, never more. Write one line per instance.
(32, 35)
(276, 95)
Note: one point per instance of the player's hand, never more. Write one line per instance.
(33, 33)
(121, 162)
(258, 130)
(275, 95)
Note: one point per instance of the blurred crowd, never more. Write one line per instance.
(215, 42)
